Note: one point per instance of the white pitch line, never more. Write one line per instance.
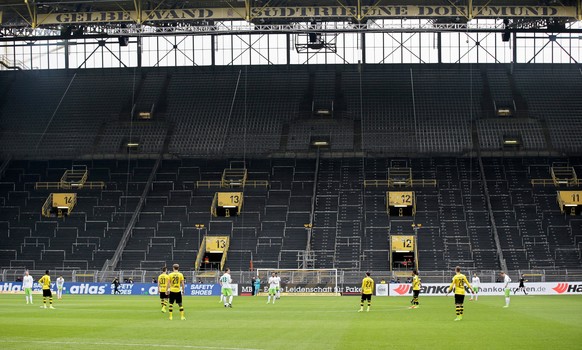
(126, 344)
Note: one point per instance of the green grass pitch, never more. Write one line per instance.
(135, 322)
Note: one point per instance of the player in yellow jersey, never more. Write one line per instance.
(162, 288)
(367, 290)
(46, 289)
(174, 288)
(458, 284)
(415, 289)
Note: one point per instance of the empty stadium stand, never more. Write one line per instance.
(201, 111)
(350, 225)
(437, 120)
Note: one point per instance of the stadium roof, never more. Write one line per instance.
(116, 14)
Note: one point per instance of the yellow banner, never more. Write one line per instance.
(402, 243)
(0, 17)
(570, 198)
(64, 200)
(306, 13)
(401, 199)
(230, 199)
(216, 244)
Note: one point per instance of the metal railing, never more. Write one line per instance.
(344, 277)
(90, 185)
(219, 184)
(403, 183)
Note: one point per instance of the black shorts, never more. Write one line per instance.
(459, 298)
(415, 293)
(175, 297)
(521, 285)
(46, 293)
(163, 295)
(367, 297)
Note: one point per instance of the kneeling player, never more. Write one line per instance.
(367, 290)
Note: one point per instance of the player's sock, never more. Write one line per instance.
(182, 313)
(44, 301)
(51, 301)
(462, 310)
(458, 310)
(506, 301)
(170, 309)
(268, 299)
(369, 303)
(230, 300)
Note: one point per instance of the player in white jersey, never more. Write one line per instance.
(475, 282)
(225, 283)
(278, 280)
(27, 282)
(273, 283)
(506, 289)
(60, 284)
